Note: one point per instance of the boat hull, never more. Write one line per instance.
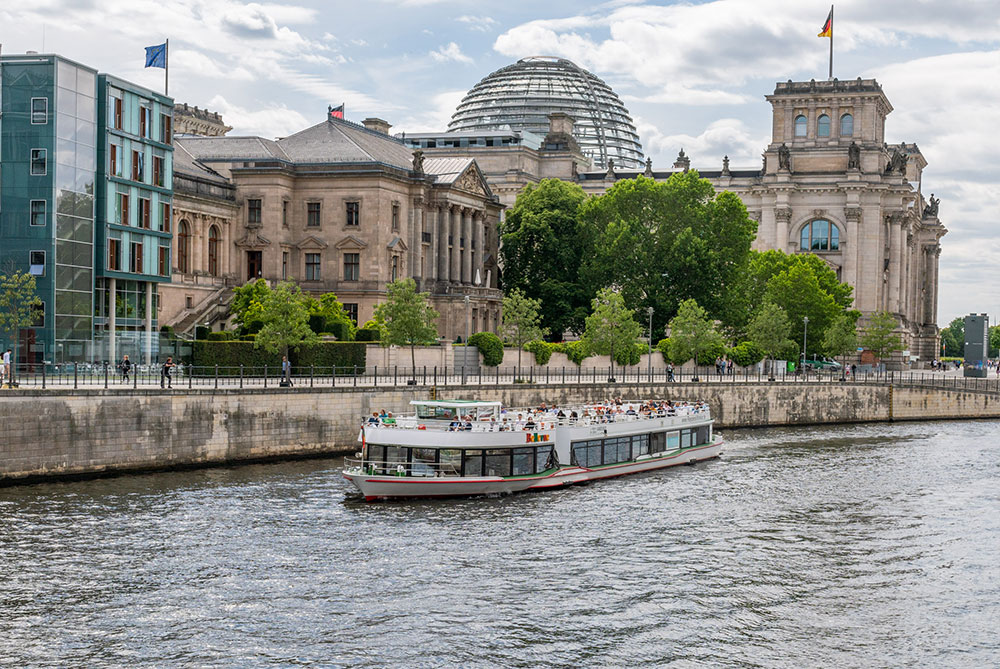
(378, 486)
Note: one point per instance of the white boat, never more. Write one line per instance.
(457, 448)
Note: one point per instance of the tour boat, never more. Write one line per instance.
(458, 448)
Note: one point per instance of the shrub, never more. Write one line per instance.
(490, 346)
(541, 349)
(663, 346)
(317, 323)
(576, 351)
(366, 334)
(220, 336)
(201, 332)
(168, 331)
(745, 353)
(248, 337)
(229, 355)
(711, 354)
(340, 330)
(253, 327)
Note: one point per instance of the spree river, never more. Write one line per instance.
(854, 546)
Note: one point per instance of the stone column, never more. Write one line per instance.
(467, 255)
(811, 121)
(442, 244)
(112, 318)
(894, 262)
(455, 229)
(782, 219)
(149, 323)
(849, 242)
(835, 121)
(935, 265)
(479, 239)
(416, 243)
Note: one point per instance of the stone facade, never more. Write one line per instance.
(193, 121)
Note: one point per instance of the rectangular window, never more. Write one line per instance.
(138, 166)
(312, 214)
(144, 219)
(113, 160)
(395, 217)
(164, 217)
(39, 162)
(166, 128)
(284, 265)
(135, 259)
(39, 111)
(354, 213)
(284, 213)
(158, 171)
(144, 121)
(164, 261)
(395, 267)
(351, 309)
(472, 463)
(497, 462)
(312, 267)
(352, 266)
(37, 212)
(36, 263)
(114, 254)
(118, 113)
(38, 315)
(123, 218)
(253, 211)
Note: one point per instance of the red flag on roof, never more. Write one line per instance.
(336, 112)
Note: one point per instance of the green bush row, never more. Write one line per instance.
(232, 354)
(489, 346)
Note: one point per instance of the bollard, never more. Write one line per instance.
(43, 375)
(375, 378)
(312, 374)
(105, 377)
(265, 376)
(74, 377)
(241, 376)
(216, 376)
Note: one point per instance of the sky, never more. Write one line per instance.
(692, 74)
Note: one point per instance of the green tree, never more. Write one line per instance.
(408, 317)
(841, 337)
(285, 314)
(953, 338)
(664, 242)
(332, 311)
(18, 302)
(248, 301)
(611, 327)
(798, 292)
(880, 335)
(994, 348)
(768, 330)
(542, 249)
(691, 333)
(520, 320)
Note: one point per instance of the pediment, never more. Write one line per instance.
(472, 181)
(397, 244)
(351, 242)
(312, 242)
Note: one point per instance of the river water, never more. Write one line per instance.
(854, 546)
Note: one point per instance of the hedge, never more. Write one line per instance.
(366, 334)
(490, 346)
(201, 332)
(232, 354)
(541, 349)
(745, 353)
(220, 336)
(576, 351)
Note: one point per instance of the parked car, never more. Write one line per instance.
(821, 364)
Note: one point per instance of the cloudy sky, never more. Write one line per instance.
(692, 74)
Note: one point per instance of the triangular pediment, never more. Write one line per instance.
(397, 244)
(472, 181)
(351, 242)
(312, 242)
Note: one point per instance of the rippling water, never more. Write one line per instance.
(854, 546)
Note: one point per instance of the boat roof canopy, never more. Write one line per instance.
(449, 404)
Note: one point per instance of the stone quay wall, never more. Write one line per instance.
(50, 434)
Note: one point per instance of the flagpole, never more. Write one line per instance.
(166, 65)
(831, 42)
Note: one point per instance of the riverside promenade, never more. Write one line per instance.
(60, 430)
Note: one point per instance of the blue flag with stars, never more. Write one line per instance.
(156, 56)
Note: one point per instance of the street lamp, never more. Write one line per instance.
(466, 320)
(805, 329)
(649, 353)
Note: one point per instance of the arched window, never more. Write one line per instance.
(823, 126)
(184, 248)
(800, 126)
(846, 125)
(820, 235)
(213, 251)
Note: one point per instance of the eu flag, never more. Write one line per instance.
(156, 56)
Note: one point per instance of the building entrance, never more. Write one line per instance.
(255, 265)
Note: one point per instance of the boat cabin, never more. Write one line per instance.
(450, 410)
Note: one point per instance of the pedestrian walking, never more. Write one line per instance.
(126, 368)
(165, 372)
(6, 368)
(670, 372)
(286, 372)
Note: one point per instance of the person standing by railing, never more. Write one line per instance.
(6, 368)
(126, 368)
(165, 372)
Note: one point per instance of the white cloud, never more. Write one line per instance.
(436, 115)
(272, 121)
(450, 51)
(483, 24)
(727, 136)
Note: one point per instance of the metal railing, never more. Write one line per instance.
(98, 375)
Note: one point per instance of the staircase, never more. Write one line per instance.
(212, 309)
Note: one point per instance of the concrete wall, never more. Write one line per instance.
(55, 433)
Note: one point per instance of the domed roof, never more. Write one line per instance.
(522, 96)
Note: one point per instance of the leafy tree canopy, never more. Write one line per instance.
(520, 321)
(953, 338)
(798, 291)
(841, 337)
(542, 249)
(692, 333)
(408, 317)
(331, 309)
(248, 301)
(769, 330)
(285, 314)
(611, 329)
(880, 336)
(17, 304)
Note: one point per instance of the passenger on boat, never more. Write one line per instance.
(468, 426)
(373, 420)
(530, 424)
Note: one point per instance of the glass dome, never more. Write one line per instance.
(522, 96)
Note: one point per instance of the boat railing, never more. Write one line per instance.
(400, 468)
(538, 423)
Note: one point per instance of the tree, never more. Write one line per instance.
(768, 330)
(17, 306)
(285, 315)
(691, 332)
(248, 301)
(520, 320)
(408, 317)
(841, 337)
(332, 311)
(611, 326)
(798, 292)
(953, 338)
(660, 243)
(880, 335)
(542, 249)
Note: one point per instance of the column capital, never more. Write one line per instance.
(852, 213)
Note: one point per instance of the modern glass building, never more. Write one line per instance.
(523, 95)
(54, 152)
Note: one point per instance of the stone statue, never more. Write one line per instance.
(725, 166)
(682, 162)
(854, 156)
(649, 168)
(418, 161)
(931, 210)
(897, 162)
(611, 169)
(784, 158)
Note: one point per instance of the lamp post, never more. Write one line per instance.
(805, 329)
(649, 352)
(464, 359)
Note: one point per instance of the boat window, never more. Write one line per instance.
(376, 455)
(686, 438)
(624, 449)
(451, 461)
(544, 458)
(425, 412)
(587, 453)
(610, 451)
(524, 461)
(657, 442)
(640, 444)
(484, 413)
(703, 435)
(395, 456)
(497, 462)
(673, 440)
(424, 461)
(472, 463)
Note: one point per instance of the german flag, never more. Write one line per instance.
(828, 26)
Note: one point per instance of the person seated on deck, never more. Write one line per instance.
(373, 419)
(630, 411)
(468, 426)
(530, 424)
(454, 426)
(389, 420)
(561, 415)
